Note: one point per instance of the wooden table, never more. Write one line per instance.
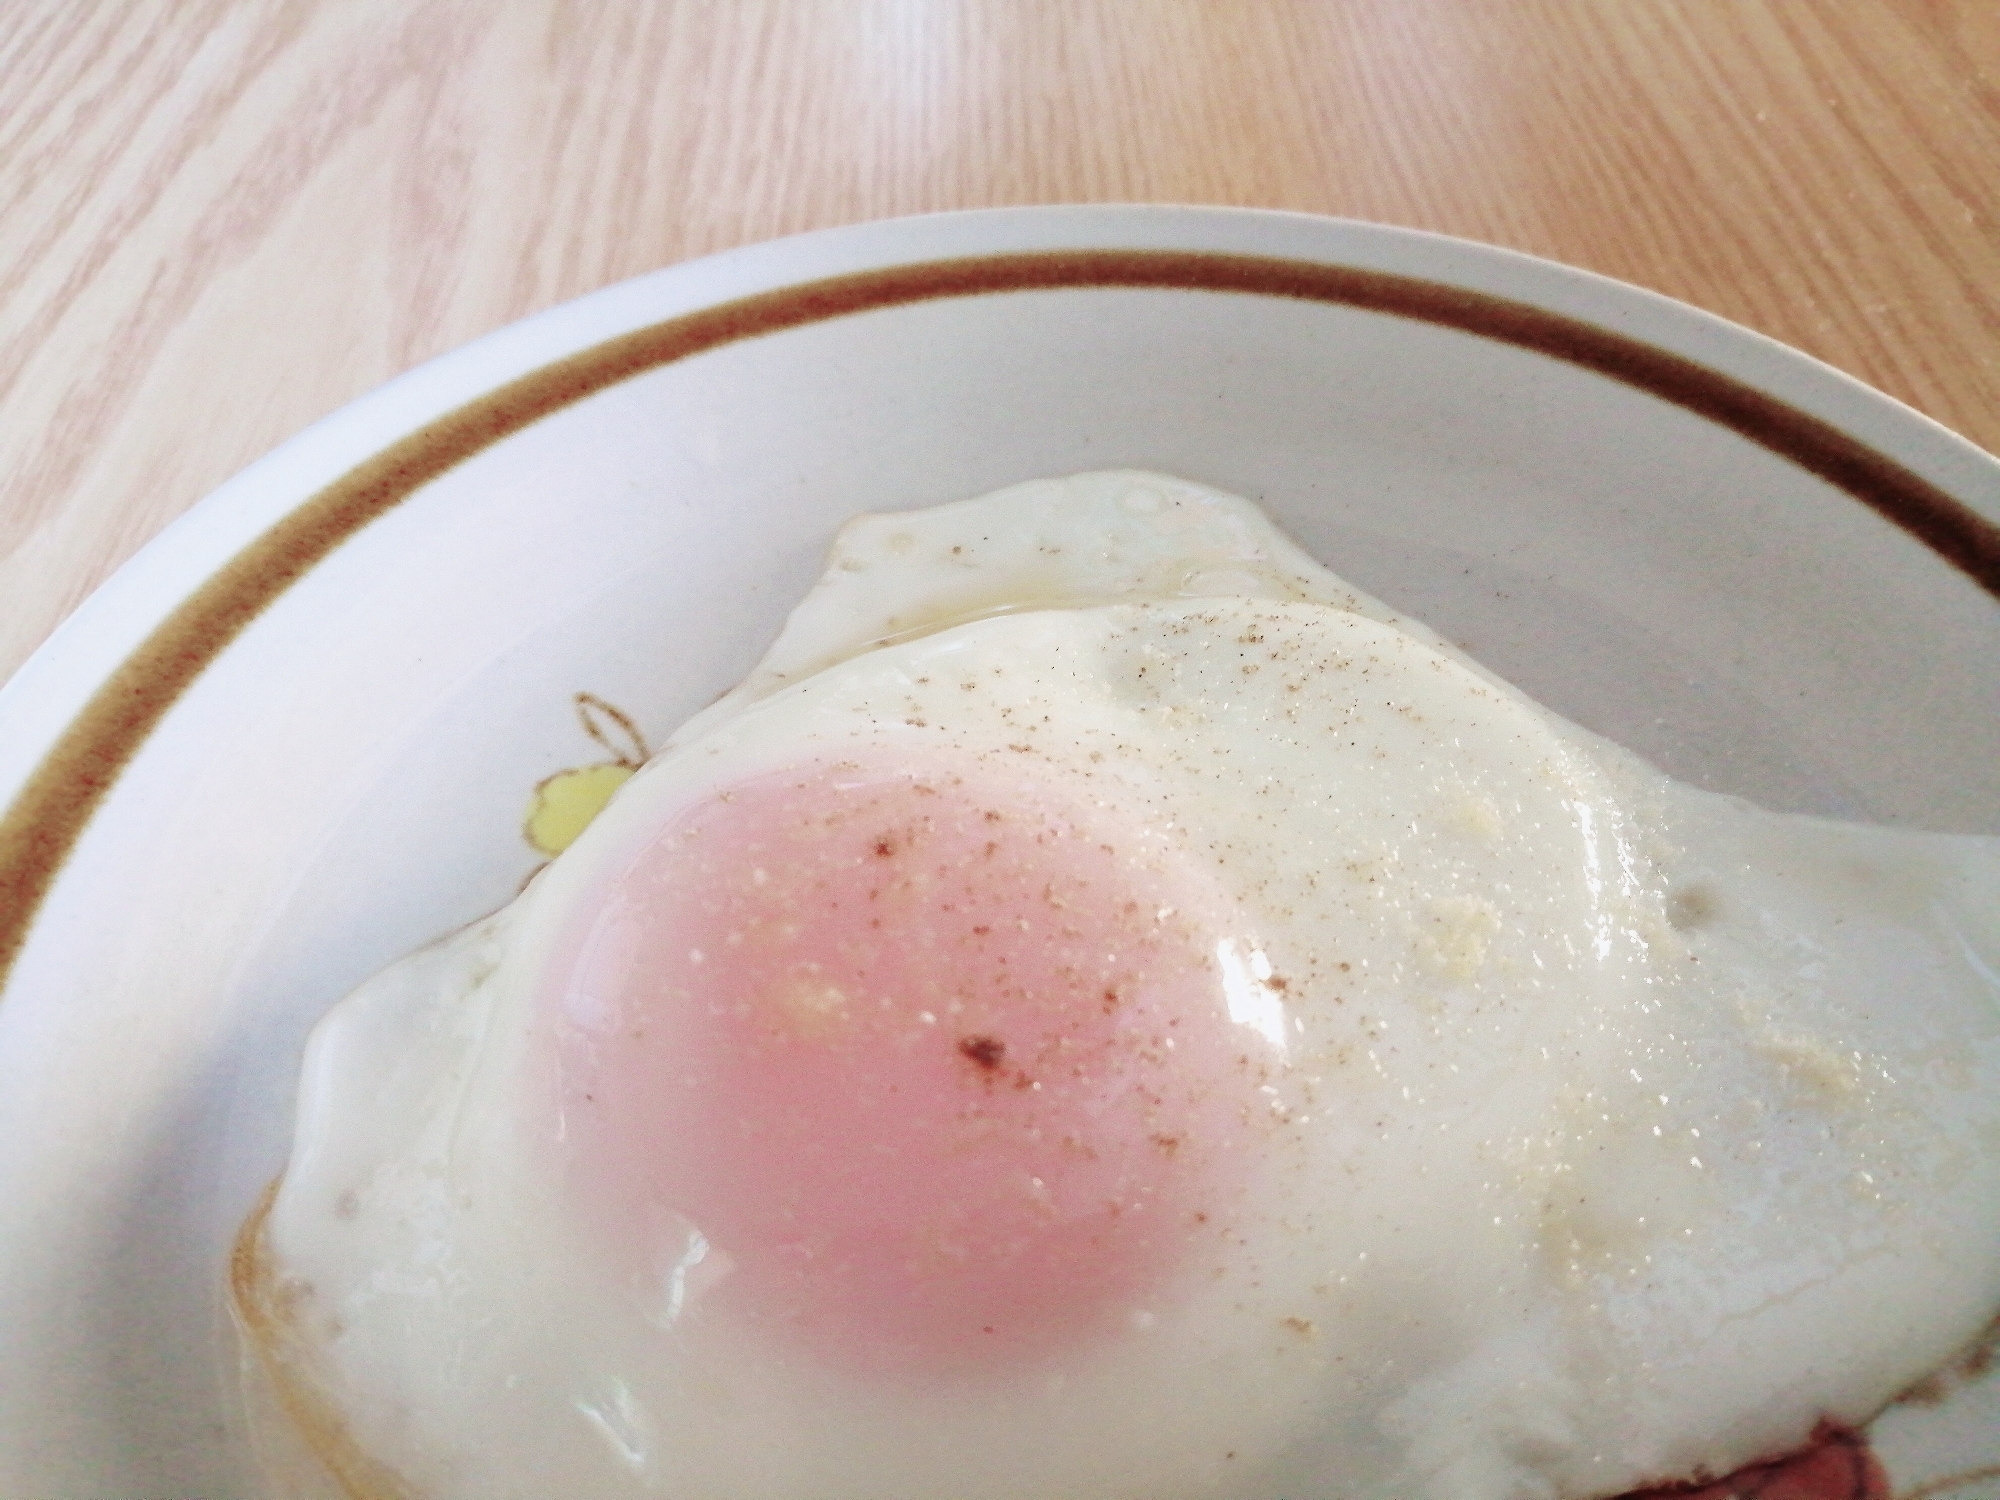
(222, 219)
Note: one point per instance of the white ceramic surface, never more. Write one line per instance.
(346, 779)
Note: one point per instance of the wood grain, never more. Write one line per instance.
(222, 219)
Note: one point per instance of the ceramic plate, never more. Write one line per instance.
(297, 735)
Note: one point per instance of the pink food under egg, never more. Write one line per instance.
(937, 1056)
(1838, 1466)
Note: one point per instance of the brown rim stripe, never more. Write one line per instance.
(49, 815)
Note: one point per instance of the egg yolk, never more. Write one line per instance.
(947, 1067)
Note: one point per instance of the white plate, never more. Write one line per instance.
(298, 732)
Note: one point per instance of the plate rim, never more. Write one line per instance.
(111, 672)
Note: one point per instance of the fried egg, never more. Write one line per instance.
(1107, 1011)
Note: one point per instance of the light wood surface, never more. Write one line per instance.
(222, 219)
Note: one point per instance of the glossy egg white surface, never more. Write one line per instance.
(1531, 1125)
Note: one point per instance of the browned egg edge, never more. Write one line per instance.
(267, 1315)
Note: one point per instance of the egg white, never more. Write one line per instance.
(1623, 1131)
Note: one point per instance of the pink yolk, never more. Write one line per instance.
(940, 1063)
